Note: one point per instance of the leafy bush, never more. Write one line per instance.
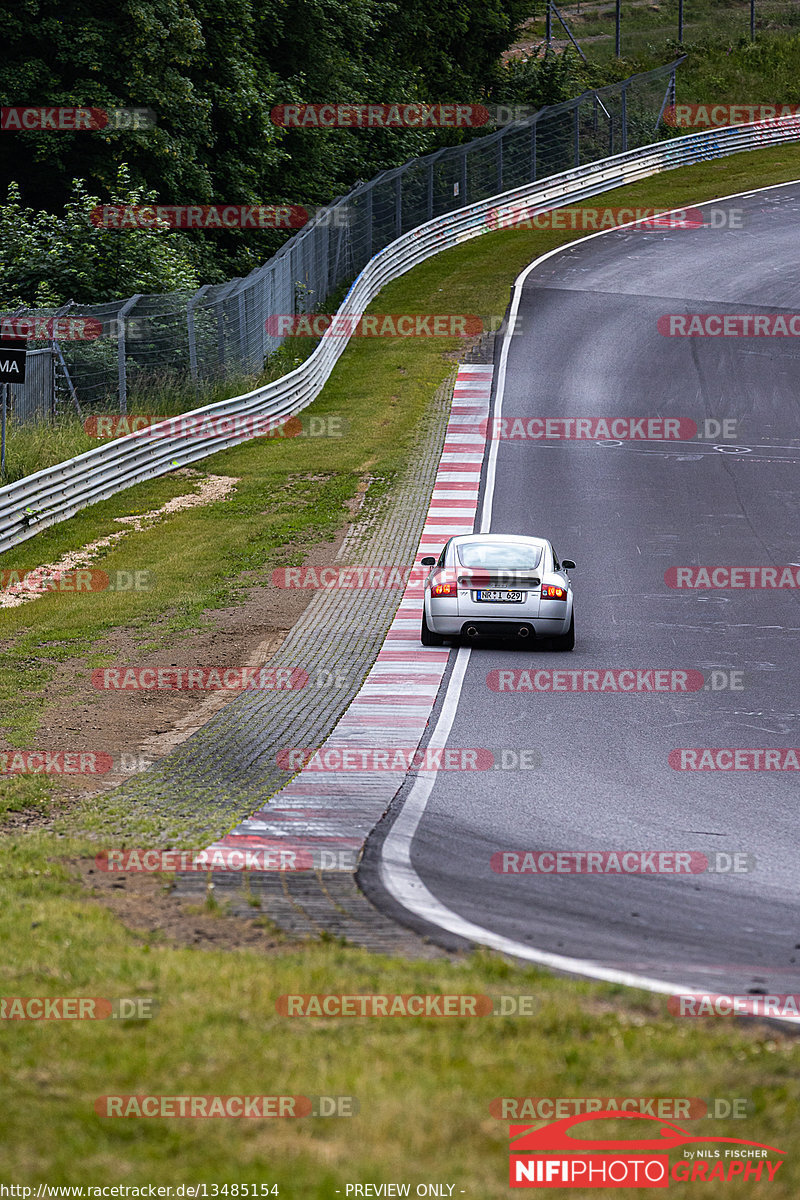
(48, 259)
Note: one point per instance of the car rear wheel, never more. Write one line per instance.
(427, 636)
(567, 642)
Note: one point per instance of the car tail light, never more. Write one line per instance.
(551, 592)
(444, 589)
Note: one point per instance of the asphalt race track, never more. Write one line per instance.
(589, 346)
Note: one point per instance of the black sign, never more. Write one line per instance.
(12, 360)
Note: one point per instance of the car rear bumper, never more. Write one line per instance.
(500, 626)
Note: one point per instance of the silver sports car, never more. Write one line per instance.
(498, 585)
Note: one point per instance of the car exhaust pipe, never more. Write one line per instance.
(472, 631)
(523, 631)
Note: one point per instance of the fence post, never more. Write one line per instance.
(243, 357)
(340, 240)
(122, 373)
(398, 203)
(55, 352)
(65, 369)
(190, 330)
(3, 387)
(51, 381)
(368, 221)
(430, 191)
(533, 152)
(577, 141)
(221, 298)
(624, 119)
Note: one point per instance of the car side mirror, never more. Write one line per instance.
(428, 562)
(568, 563)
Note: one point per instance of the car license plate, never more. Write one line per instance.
(499, 597)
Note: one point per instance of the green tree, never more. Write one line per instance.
(49, 260)
(212, 73)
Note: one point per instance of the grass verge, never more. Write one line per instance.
(424, 1085)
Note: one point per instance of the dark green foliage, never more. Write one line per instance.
(212, 70)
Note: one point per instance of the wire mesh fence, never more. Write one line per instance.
(654, 30)
(231, 329)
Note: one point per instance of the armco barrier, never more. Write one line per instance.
(58, 492)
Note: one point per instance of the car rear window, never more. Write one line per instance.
(494, 554)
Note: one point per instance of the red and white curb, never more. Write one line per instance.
(327, 813)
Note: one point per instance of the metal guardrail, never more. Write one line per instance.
(219, 331)
(56, 493)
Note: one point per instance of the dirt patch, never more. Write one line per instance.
(36, 583)
(146, 905)
(136, 728)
